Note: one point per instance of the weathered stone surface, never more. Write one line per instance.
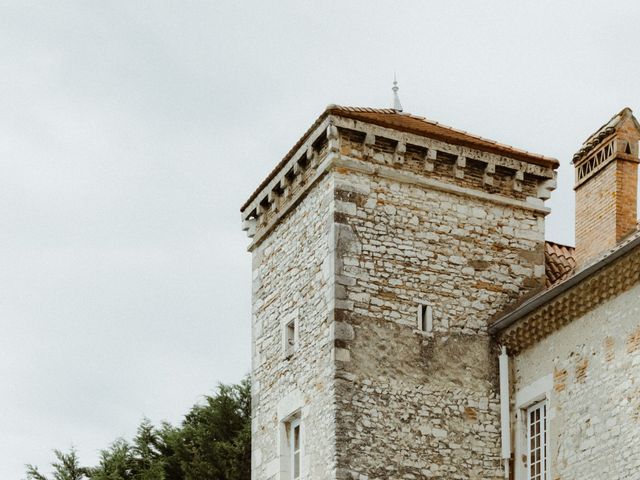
(351, 259)
(372, 225)
(594, 398)
(293, 279)
(406, 413)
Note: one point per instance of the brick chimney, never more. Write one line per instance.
(606, 186)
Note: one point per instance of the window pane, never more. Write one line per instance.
(296, 465)
(537, 441)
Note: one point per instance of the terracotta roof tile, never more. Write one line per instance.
(406, 122)
(389, 118)
(559, 259)
(560, 262)
(597, 137)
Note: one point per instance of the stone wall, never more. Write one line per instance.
(591, 369)
(373, 224)
(292, 280)
(413, 404)
(445, 166)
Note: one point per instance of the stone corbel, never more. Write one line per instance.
(249, 226)
(273, 198)
(312, 156)
(458, 168)
(260, 214)
(401, 149)
(297, 171)
(333, 138)
(546, 187)
(489, 172)
(517, 180)
(430, 160)
(284, 186)
(369, 142)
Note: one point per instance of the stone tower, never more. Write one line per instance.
(382, 244)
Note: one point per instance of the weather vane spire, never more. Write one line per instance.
(397, 106)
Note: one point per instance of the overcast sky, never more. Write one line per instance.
(132, 131)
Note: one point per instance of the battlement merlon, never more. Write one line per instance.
(405, 148)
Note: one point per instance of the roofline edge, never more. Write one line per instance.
(529, 306)
(342, 111)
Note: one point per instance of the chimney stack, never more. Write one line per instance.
(606, 186)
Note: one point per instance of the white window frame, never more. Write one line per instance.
(289, 411)
(540, 439)
(526, 396)
(293, 451)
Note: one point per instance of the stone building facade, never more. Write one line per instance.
(576, 345)
(388, 254)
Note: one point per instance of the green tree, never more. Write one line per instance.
(212, 443)
(141, 460)
(215, 439)
(148, 460)
(67, 467)
(115, 463)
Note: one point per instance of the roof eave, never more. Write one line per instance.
(286, 158)
(506, 150)
(543, 298)
(337, 110)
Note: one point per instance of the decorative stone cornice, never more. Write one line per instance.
(382, 171)
(440, 146)
(302, 162)
(345, 163)
(295, 176)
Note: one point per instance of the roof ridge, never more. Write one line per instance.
(604, 132)
(558, 244)
(603, 126)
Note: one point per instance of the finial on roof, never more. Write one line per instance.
(397, 106)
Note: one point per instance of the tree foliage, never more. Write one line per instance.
(215, 441)
(212, 443)
(67, 467)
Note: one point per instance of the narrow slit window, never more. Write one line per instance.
(290, 337)
(537, 441)
(425, 318)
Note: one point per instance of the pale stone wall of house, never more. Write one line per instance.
(292, 279)
(592, 367)
(413, 405)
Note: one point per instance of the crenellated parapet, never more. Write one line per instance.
(403, 147)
